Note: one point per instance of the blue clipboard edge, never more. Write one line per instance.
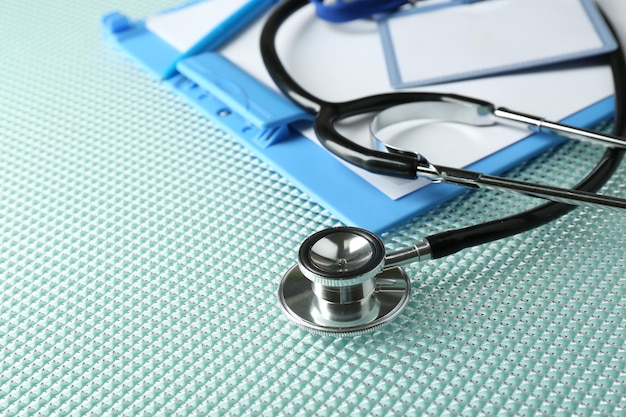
(315, 171)
(395, 78)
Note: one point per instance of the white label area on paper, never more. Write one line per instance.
(347, 61)
(184, 27)
(489, 36)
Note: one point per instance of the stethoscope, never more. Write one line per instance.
(344, 281)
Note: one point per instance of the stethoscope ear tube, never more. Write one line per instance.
(397, 165)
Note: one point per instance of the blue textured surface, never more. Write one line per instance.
(141, 248)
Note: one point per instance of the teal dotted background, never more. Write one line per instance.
(141, 249)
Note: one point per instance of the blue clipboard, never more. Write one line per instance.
(239, 104)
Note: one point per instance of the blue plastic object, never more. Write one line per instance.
(161, 58)
(343, 11)
(261, 107)
(116, 22)
(225, 31)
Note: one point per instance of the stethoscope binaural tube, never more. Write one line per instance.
(296, 286)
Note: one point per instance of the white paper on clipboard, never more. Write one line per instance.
(347, 61)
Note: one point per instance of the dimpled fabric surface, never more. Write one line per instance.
(141, 248)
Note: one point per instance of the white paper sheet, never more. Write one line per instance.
(346, 61)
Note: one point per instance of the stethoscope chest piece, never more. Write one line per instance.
(340, 284)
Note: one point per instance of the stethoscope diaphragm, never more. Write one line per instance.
(340, 284)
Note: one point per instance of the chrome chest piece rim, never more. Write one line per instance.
(340, 285)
